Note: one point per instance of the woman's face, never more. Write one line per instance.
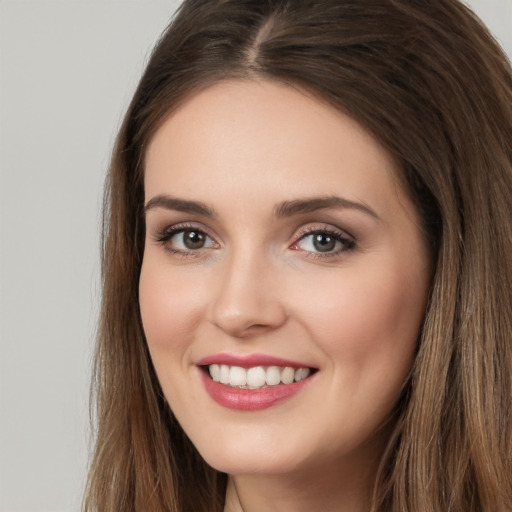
(283, 259)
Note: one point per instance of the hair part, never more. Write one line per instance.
(431, 85)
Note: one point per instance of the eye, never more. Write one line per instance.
(324, 242)
(190, 239)
(185, 240)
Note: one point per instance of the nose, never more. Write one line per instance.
(248, 300)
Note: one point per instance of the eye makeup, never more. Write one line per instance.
(318, 242)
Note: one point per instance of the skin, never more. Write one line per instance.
(260, 285)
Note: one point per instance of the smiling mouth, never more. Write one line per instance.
(256, 377)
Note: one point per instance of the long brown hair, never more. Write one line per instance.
(430, 83)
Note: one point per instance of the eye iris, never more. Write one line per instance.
(323, 242)
(193, 239)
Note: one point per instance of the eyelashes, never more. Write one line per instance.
(324, 242)
(190, 240)
(185, 239)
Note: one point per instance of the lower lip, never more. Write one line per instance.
(250, 399)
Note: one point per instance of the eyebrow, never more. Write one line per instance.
(180, 205)
(285, 209)
(308, 205)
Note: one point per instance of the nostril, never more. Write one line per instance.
(244, 307)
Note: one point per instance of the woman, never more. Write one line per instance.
(308, 229)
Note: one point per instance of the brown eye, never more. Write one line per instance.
(193, 239)
(324, 242)
(186, 239)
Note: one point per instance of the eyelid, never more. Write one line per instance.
(163, 236)
(323, 228)
(348, 241)
(172, 229)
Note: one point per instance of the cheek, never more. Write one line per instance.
(170, 306)
(367, 322)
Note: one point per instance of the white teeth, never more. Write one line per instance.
(273, 375)
(224, 374)
(257, 376)
(215, 372)
(287, 375)
(301, 373)
(237, 376)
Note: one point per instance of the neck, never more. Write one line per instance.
(343, 484)
(327, 491)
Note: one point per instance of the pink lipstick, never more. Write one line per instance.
(252, 382)
(248, 360)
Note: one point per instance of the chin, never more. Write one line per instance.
(250, 456)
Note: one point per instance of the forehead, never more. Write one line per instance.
(263, 137)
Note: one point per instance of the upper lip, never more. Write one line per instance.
(249, 360)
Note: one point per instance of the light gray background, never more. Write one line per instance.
(67, 70)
